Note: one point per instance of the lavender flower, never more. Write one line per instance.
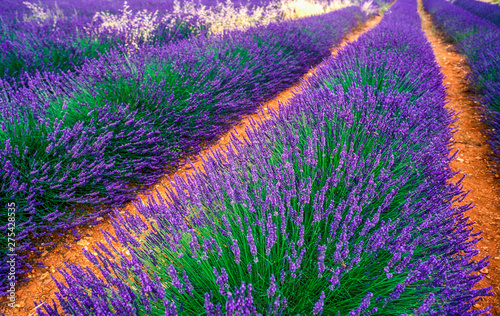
(251, 242)
(221, 280)
(318, 306)
(272, 286)
(236, 251)
(321, 260)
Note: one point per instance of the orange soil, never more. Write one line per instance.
(473, 159)
(42, 288)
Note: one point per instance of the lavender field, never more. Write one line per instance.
(345, 201)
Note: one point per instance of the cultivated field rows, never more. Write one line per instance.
(367, 188)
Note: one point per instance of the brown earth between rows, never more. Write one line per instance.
(473, 158)
(42, 288)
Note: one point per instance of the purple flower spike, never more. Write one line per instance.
(318, 306)
(272, 287)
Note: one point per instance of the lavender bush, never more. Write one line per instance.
(339, 205)
(479, 40)
(73, 143)
(484, 10)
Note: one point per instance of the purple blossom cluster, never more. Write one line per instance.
(479, 40)
(90, 140)
(350, 178)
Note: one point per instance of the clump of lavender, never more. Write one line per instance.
(70, 143)
(352, 181)
(485, 10)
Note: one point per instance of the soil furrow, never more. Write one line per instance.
(473, 158)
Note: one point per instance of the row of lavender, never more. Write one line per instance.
(52, 39)
(59, 36)
(71, 142)
(485, 10)
(479, 40)
(339, 205)
(14, 9)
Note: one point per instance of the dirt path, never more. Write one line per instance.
(473, 159)
(42, 288)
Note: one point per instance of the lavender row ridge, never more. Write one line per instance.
(485, 10)
(479, 40)
(58, 37)
(70, 143)
(340, 205)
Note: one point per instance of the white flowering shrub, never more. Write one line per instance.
(294, 9)
(40, 15)
(225, 16)
(369, 7)
(131, 27)
(218, 18)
